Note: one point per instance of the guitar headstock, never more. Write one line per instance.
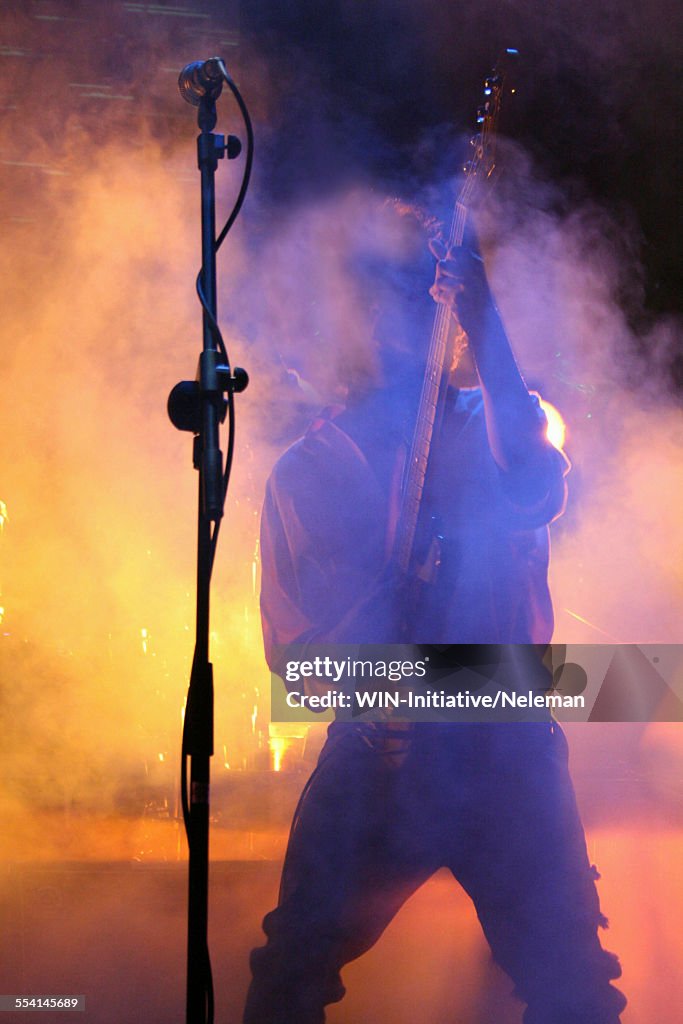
(482, 162)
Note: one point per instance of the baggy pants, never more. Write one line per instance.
(494, 803)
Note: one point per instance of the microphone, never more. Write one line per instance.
(201, 80)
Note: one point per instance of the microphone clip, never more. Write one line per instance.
(213, 147)
(214, 379)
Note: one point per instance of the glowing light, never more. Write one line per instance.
(587, 622)
(278, 746)
(254, 569)
(145, 637)
(2, 613)
(4, 518)
(162, 757)
(557, 430)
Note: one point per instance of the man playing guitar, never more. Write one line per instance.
(384, 810)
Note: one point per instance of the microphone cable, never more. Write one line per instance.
(213, 324)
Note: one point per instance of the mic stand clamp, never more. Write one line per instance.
(213, 380)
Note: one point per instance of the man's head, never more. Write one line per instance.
(391, 270)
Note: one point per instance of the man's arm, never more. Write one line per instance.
(516, 431)
(324, 579)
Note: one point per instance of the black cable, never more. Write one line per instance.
(218, 338)
(183, 779)
(249, 158)
(226, 472)
(213, 323)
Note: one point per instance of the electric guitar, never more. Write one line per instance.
(439, 364)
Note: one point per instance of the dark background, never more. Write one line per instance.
(381, 88)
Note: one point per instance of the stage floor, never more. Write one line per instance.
(114, 930)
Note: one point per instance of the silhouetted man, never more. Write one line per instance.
(389, 805)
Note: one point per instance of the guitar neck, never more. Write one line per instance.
(435, 383)
(439, 357)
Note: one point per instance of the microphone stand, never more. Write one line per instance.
(199, 406)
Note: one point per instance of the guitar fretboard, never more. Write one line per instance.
(432, 394)
(439, 357)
